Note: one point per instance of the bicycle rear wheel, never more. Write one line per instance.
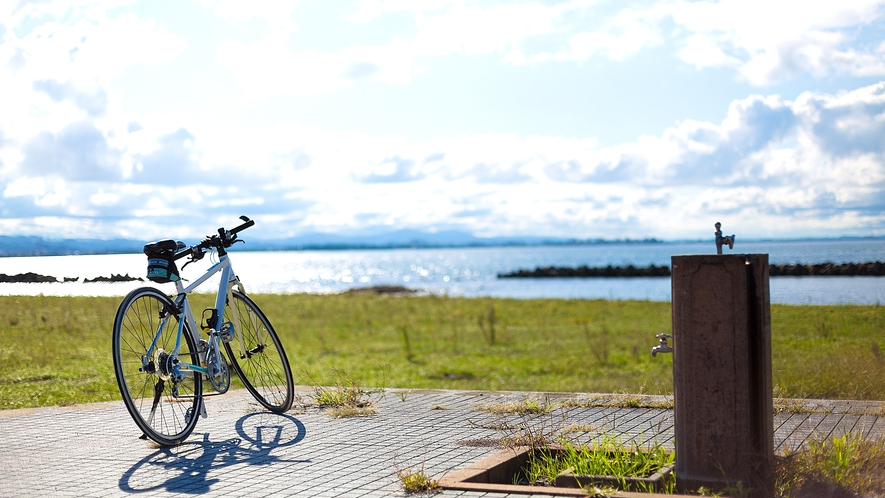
(148, 392)
(263, 367)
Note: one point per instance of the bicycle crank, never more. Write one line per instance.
(219, 374)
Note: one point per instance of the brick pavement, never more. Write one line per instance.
(240, 450)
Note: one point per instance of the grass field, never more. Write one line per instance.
(57, 350)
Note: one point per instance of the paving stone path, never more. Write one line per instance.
(240, 450)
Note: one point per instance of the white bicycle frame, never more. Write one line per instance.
(228, 281)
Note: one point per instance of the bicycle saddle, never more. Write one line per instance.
(160, 247)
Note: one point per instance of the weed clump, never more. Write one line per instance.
(528, 406)
(846, 465)
(344, 401)
(346, 398)
(600, 491)
(417, 481)
(621, 401)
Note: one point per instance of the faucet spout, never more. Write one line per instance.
(723, 240)
(662, 346)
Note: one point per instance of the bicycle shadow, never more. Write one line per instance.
(185, 468)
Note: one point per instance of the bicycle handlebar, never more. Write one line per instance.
(186, 252)
(223, 240)
(248, 223)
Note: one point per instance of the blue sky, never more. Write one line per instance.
(575, 118)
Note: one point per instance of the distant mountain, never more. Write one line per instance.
(39, 246)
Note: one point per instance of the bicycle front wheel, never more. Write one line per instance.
(263, 366)
(165, 410)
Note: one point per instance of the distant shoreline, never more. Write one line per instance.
(28, 246)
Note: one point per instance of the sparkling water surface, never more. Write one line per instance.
(471, 272)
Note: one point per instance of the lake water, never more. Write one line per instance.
(472, 272)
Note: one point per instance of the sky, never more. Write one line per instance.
(575, 118)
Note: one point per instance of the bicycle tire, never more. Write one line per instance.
(148, 396)
(265, 370)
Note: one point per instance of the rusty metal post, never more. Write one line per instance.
(722, 372)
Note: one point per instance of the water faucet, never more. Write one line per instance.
(662, 346)
(720, 240)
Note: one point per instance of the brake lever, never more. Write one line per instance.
(231, 238)
(197, 254)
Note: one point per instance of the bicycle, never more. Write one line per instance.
(161, 376)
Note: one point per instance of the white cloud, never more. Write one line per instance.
(849, 124)
(58, 73)
(769, 42)
(94, 49)
(78, 152)
(628, 33)
(369, 10)
(15, 13)
(475, 30)
(765, 43)
(267, 68)
(277, 14)
(819, 141)
(701, 51)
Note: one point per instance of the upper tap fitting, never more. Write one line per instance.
(720, 240)
(662, 346)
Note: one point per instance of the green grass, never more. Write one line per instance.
(842, 465)
(828, 351)
(606, 457)
(57, 350)
(549, 345)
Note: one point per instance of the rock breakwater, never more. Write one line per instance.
(585, 271)
(31, 278)
(872, 269)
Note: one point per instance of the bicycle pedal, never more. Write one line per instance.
(210, 321)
